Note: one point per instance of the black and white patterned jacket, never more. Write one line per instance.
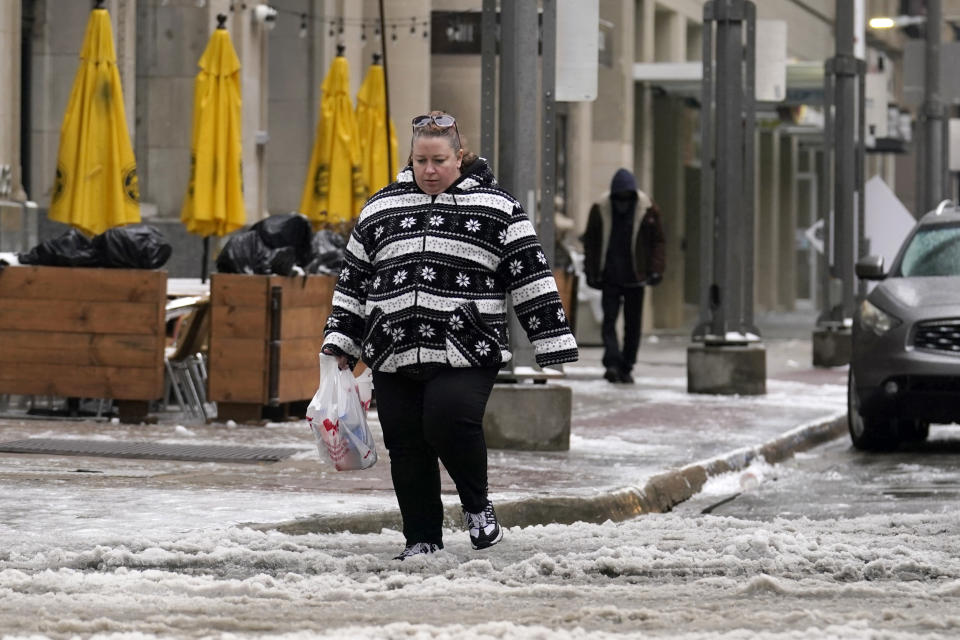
(425, 278)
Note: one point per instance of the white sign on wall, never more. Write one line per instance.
(953, 139)
(578, 47)
(877, 113)
(771, 61)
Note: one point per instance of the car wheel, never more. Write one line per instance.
(913, 430)
(867, 434)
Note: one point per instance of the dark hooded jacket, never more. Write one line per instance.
(425, 279)
(646, 243)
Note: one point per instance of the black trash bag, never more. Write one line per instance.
(283, 261)
(133, 246)
(287, 230)
(246, 252)
(328, 248)
(72, 249)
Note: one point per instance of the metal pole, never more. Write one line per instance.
(826, 191)
(846, 70)
(488, 81)
(863, 244)
(386, 92)
(933, 113)
(518, 98)
(729, 156)
(548, 147)
(707, 171)
(745, 315)
(727, 165)
(518, 126)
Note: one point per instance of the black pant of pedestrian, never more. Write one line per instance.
(610, 299)
(424, 418)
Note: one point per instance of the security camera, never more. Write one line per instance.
(265, 15)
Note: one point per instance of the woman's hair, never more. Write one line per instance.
(452, 135)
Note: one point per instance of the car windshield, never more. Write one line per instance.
(934, 251)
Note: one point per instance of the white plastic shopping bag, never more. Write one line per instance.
(338, 420)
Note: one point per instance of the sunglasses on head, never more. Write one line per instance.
(443, 121)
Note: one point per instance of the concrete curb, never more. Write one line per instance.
(660, 494)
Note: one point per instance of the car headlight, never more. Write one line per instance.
(875, 319)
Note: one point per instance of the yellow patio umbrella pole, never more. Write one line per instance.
(378, 158)
(96, 185)
(333, 191)
(213, 204)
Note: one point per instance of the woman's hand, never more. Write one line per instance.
(342, 361)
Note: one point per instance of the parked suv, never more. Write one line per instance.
(905, 364)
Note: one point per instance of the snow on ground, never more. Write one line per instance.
(656, 576)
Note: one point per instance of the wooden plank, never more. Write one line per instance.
(239, 290)
(238, 322)
(239, 353)
(231, 385)
(298, 384)
(301, 322)
(75, 283)
(300, 353)
(312, 291)
(80, 349)
(241, 412)
(238, 370)
(80, 316)
(65, 380)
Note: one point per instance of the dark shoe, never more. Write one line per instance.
(484, 529)
(626, 377)
(417, 549)
(611, 375)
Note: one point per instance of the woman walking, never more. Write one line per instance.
(421, 299)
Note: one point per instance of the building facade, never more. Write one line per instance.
(649, 125)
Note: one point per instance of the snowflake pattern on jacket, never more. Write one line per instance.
(425, 278)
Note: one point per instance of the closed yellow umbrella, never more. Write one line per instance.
(213, 204)
(96, 185)
(372, 121)
(334, 192)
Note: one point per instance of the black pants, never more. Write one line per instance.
(429, 418)
(610, 299)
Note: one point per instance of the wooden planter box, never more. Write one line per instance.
(261, 356)
(83, 333)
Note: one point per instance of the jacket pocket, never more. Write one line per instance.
(378, 340)
(469, 341)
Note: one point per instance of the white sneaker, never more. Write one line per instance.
(484, 529)
(417, 549)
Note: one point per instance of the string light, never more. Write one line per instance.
(341, 26)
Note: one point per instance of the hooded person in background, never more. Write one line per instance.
(623, 251)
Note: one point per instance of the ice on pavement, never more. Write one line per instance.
(661, 575)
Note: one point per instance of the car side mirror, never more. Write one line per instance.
(870, 268)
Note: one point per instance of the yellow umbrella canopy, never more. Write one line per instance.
(213, 204)
(372, 121)
(334, 191)
(96, 184)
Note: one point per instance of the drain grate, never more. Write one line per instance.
(147, 450)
